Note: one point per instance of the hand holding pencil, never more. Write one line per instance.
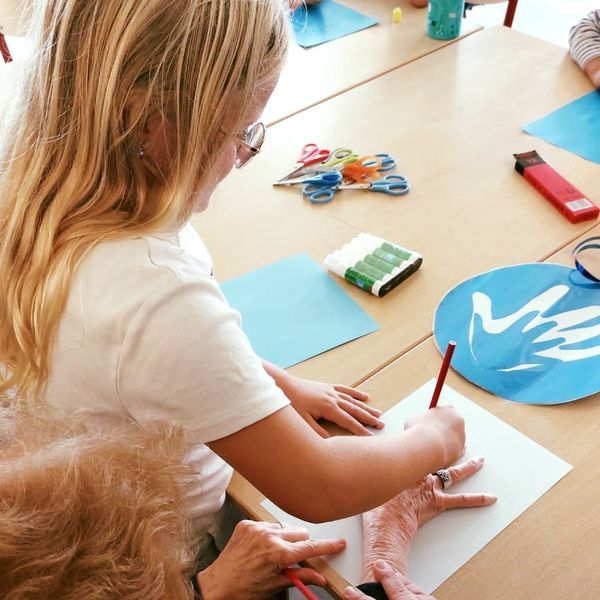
(444, 425)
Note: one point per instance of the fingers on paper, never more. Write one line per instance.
(344, 389)
(293, 534)
(344, 418)
(463, 471)
(393, 583)
(359, 411)
(312, 548)
(466, 469)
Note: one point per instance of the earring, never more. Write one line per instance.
(142, 149)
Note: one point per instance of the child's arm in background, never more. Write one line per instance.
(584, 46)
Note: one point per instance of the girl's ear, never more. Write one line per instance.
(154, 138)
(157, 139)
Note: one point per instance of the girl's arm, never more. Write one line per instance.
(584, 45)
(319, 480)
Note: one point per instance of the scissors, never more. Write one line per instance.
(367, 168)
(388, 162)
(395, 185)
(322, 187)
(309, 155)
(338, 159)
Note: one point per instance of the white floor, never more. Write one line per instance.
(546, 19)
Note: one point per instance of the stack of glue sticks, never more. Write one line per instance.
(373, 264)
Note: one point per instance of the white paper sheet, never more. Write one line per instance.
(517, 470)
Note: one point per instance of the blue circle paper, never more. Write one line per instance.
(528, 333)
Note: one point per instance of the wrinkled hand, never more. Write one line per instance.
(396, 586)
(342, 405)
(390, 528)
(252, 562)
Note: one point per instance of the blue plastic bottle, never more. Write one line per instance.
(444, 18)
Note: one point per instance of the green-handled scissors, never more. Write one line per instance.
(338, 159)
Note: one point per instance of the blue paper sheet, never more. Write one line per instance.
(326, 21)
(574, 127)
(292, 310)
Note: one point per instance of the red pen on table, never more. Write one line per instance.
(289, 573)
(442, 374)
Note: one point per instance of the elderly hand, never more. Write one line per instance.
(396, 586)
(251, 564)
(390, 528)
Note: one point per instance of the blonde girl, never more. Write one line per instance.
(131, 113)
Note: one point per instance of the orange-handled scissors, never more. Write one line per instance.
(310, 155)
(365, 168)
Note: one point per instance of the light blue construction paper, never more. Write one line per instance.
(292, 310)
(574, 127)
(326, 21)
(528, 333)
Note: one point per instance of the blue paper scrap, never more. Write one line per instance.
(292, 310)
(574, 127)
(326, 21)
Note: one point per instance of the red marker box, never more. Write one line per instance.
(555, 188)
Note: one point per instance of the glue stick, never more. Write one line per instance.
(373, 264)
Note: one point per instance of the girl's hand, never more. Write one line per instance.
(339, 404)
(251, 564)
(390, 528)
(396, 586)
(448, 427)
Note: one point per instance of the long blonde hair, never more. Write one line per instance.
(70, 173)
(89, 514)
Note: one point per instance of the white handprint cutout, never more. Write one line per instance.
(567, 336)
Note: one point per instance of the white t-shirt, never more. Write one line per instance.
(146, 335)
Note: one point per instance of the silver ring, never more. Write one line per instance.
(281, 524)
(445, 477)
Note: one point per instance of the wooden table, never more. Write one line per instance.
(453, 120)
(549, 552)
(454, 126)
(315, 74)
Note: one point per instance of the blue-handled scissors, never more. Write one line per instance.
(321, 188)
(395, 185)
(310, 154)
(387, 161)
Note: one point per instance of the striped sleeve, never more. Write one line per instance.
(584, 39)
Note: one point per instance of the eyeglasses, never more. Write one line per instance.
(250, 143)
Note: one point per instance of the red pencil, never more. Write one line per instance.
(303, 589)
(442, 374)
(4, 49)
